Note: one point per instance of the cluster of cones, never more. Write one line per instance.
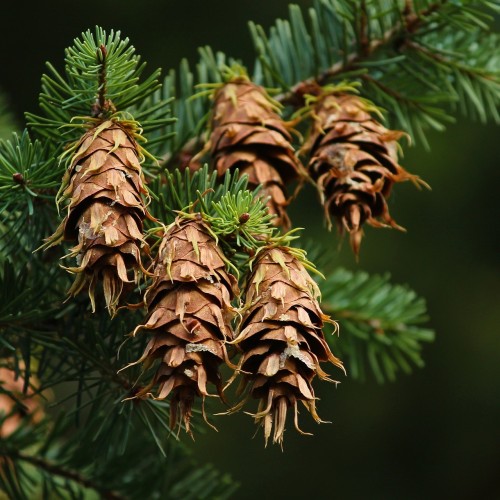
(354, 163)
(353, 157)
(189, 302)
(248, 134)
(104, 185)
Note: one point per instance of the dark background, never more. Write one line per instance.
(434, 434)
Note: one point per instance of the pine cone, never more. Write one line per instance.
(282, 340)
(189, 304)
(354, 162)
(104, 184)
(248, 134)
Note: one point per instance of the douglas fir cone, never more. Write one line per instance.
(281, 340)
(354, 162)
(249, 134)
(104, 185)
(190, 313)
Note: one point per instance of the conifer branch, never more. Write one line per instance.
(297, 57)
(414, 58)
(400, 98)
(379, 323)
(102, 76)
(58, 470)
(400, 32)
(29, 175)
(343, 43)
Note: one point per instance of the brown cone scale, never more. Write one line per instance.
(248, 134)
(354, 163)
(189, 318)
(281, 340)
(105, 186)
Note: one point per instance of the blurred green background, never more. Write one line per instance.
(434, 434)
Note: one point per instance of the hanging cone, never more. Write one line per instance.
(248, 134)
(190, 313)
(282, 340)
(104, 185)
(354, 163)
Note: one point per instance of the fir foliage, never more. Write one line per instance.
(414, 58)
(381, 324)
(102, 76)
(186, 191)
(29, 179)
(421, 60)
(42, 465)
(238, 217)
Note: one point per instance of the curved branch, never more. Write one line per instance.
(57, 470)
(410, 22)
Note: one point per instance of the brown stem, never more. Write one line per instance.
(101, 103)
(386, 89)
(364, 38)
(66, 473)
